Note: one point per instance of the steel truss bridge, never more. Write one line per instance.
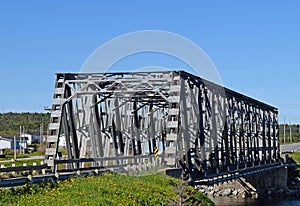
(118, 120)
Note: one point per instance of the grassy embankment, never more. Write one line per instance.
(108, 189)
(295, 156)
(294, 172)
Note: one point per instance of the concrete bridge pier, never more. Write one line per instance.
(267, 181)
(272, 183)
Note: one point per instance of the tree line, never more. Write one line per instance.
(31, 122)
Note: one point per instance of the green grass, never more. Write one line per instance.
(21, 162)
(108, 189)
(10, 154)
(294, 172)
(295, 156)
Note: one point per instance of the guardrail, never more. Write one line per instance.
(19, 181)
(23, 168)
(131, 163)
(37, 173)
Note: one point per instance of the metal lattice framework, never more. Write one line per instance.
(118, 119)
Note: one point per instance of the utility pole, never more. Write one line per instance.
(41, 133)
(20, 143)
(23, 149)
(283, 130)
(15, 148)
(299, 133)
(290, 132)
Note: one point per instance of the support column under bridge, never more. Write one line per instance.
(117, 120)
(272, 183)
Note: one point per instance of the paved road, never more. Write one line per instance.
(32, 158)
(38, 158)
(290, 147)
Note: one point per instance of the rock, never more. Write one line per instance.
(201, 187)
(245, 194)
(211, 193)
(202, 190)
(254, 194)
(235, 192)
(210, 188)
(227, 192)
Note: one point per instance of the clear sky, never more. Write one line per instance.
(254, 45)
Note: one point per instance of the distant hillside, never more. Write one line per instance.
(10, 122)
(292, 134)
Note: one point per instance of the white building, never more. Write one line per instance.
(62, 141)
(27, 137)
(6, 143)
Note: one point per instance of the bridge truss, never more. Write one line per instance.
(119, 119)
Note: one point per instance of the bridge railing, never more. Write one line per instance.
(125, 164)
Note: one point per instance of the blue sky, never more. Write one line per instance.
(254, 45)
